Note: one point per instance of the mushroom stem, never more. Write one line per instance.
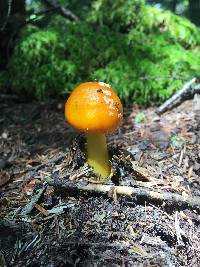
(97, 154)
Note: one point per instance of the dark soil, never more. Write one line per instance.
(46, 225)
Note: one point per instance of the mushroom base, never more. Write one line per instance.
(97, 154)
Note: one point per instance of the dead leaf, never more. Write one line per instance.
(28, 188)
(4, 177)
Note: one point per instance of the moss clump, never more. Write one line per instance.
(152, 72)
(39, 66)
(173, 28)
(118, 15)
(143, 52)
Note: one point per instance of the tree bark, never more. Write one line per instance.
(174, 4)
(13, 14)
(194, 11)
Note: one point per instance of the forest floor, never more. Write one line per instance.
(51, 215)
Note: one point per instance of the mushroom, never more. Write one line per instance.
(95, 109)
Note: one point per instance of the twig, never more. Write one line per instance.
(172, 199)
(173, 77)
(66, 13)
(186, 92)
(177, 229)
(41, 13)
(29, 206)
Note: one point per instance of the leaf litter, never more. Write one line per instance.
(48, 219)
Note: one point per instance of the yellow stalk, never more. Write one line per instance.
(97, 154)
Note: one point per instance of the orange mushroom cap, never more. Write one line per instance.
(94, 107)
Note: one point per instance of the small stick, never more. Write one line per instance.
(187, 91)
(29, 206)
(181, 156)
(66, 13)
(172, 199)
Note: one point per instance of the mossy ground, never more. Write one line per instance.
(146, 54)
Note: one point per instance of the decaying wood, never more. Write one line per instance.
(172, 199)
(186, 92)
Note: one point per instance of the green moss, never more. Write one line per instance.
(174, 28)
(152, 72)
(137, 49)
(39, 66)
(118, 15)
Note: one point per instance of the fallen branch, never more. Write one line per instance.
(66, 13)
(186, 92)
(171, 199)
(172, 77)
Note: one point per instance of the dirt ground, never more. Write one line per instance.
(48, 218)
